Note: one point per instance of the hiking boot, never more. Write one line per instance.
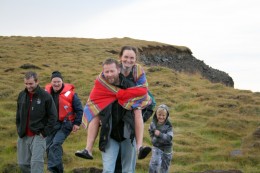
(84, 154)
(143, 152)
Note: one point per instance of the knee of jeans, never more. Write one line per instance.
(56, 144)
(58, 141)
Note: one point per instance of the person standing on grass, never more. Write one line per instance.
(161, 133)
(135, 73)
(70, 113)
(112, 101)
(35, 119)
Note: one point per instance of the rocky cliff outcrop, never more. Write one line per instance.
(182, 60)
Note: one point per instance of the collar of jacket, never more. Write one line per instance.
(36, 91)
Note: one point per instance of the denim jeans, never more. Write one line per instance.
(128, 156)
(54, 147)
(30, 152)
(160, 161)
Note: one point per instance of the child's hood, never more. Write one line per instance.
(164, 107)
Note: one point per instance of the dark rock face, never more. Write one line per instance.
(182, 61)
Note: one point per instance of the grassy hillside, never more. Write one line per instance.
(210, 121)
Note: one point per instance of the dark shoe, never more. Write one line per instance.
(143, 152)
(84, 154)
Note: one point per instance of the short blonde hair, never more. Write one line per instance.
(161, 110)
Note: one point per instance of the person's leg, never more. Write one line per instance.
(143, 151)
(38, 149)
(166, 161)
(156, 160)
(55, 151)
(139, 127)
(128, 156)
(93, 128)
(118, 167)
(109, 156)
(23, 154)
(92, 132)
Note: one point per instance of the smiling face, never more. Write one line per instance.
(31, 84)
(128, 59)
(56, 83)
(111, 73)
(161, 115)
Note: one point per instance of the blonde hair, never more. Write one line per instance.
(160, 109)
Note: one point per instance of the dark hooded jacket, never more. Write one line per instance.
(43, 113)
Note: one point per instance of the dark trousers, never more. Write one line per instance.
(54, 147)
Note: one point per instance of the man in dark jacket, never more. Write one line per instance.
(35, 118)
(70, 112)
(117, 130)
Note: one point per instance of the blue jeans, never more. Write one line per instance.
(128, 156)
(54, 147)
(160, 161)
(30, 152)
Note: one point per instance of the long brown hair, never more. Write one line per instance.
(128, 48)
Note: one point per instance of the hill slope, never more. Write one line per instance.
(216, 127)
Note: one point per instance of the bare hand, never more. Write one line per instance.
(157, 132)
(75, 128)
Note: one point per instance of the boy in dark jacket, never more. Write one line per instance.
(35, 118)
(161, 133)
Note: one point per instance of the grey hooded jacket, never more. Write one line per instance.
(164, 140)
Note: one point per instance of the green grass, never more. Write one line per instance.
(210, 120)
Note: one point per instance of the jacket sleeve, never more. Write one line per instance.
(78, 109)
(167, 137)
(52, 116)
(17, 120)
(151, 130)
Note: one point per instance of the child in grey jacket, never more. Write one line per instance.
(161, 133)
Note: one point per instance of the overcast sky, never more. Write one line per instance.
(225, 34)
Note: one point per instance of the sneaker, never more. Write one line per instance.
(143, 152)
(84, 154)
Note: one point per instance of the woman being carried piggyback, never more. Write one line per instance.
(161, 133)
